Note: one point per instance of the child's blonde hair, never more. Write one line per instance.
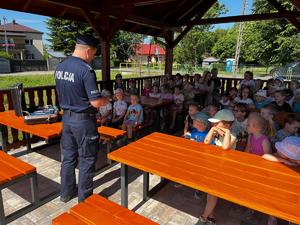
(259, 122)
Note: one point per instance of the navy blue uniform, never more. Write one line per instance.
(76, 87)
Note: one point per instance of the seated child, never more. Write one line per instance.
(278, 84)
(288, 152)
(212, 109)
(188, 123)
(225, 101)
(133, 116)
(291, 127)
(201, 126)
(280, 102)
(177, 106)
(221, 135)
(239, 126)
(119, 83)
(119, 109)
(258, 142)
(104, 116)
(268, 112)
(132, 90)
(261, 99)
(147, 88)
(155, 92)
(248, 81)
(245, 97)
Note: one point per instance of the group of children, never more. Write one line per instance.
(242, 119)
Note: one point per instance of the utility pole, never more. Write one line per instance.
(239, 39)
(5, 35)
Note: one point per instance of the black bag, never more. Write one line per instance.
(18, 99)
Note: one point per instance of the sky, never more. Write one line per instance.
(38, 22)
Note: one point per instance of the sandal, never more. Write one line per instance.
(211, 221)
(201, 221)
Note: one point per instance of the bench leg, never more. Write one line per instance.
(145, 186)
(108, 150)
(3, 137)
(28, 144)
(34, 189)
(124, 185)
(2, 214)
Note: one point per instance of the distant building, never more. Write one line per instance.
(149, 53)
(209, 61)
(24, 43)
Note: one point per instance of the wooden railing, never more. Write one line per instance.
(46, 95)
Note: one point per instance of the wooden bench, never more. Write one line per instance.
(98, 210)
(14, 170)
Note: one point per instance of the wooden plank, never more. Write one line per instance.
(15, 163)
(242, 178)
(67, 219)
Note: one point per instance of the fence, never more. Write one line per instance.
(46, 95)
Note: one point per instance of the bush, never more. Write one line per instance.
(5, 55)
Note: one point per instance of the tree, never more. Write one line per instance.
(63, 35)
(198, 43)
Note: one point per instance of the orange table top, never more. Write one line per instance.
(239, 177)
(48, 131)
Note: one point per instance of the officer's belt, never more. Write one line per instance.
(80, 115)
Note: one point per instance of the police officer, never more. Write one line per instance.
(79, 98)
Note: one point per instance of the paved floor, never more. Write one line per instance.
(171, 205)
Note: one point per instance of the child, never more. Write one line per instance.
(133, 116)
(225, 101)
(278, 83)
(200, 126)
(258, 143)
(268, 112)
(248, 81)
(245, 97)
(155, 92)
(233, 93)
(288, 152)
(261, 99)
(178, 80)
(212, 109)
(119, 108)
(221, 135)
(280, 103)
(239, 126)
(132, 90)
(119, 83)
(147, 88)
(291, 127)
(104, 116)
(188, 123)
(177, 106)
(165, 95)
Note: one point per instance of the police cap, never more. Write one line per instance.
(87, 40)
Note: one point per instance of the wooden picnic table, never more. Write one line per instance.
(152, 103)
(45, 131)
(242, 178)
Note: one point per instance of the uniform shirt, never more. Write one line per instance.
(120, 107)
(133, 110)
(104, 109)
(76, 85)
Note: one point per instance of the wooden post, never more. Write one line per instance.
(169, 38)
(105, 64)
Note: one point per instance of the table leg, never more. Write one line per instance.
(145, 186)
(2, 214)
(124, 185)
(3, 137)
(28, 144)
(108, 150)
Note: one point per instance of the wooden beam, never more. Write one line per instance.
(243, 18)
(296, 3)
(281, 9)
(169, 38)
(206, 7)
(26, 4)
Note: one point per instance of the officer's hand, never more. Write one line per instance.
(100, 102)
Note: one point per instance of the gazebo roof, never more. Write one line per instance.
(150, 17)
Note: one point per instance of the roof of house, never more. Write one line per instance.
(15, 27)
(211, 59)
(56, 54)
(149, 49)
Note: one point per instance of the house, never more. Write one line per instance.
(24, 43)
(149, 53)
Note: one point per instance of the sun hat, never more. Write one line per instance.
(290, 147)
(105, 93)
(202, 117)
(280, 78)
(261, 93)
(224, 114)
(118, 90)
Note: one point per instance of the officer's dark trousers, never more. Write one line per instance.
(80, 140)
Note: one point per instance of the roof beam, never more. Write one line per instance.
(296, 3)
(253, 17)
(207, 5)
(281, 9)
